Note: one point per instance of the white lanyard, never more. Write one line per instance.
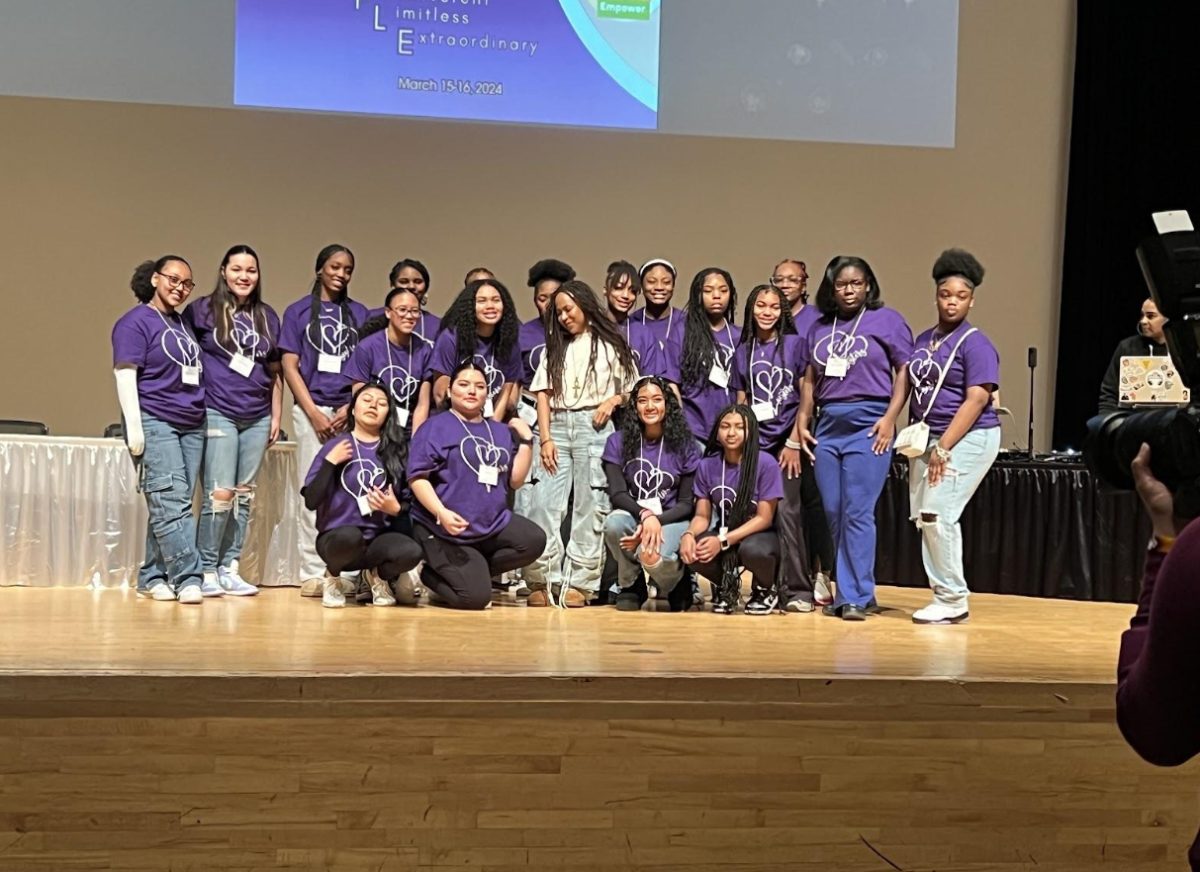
(750, 373)
(387, 342)
(364, 507)
(488, 474)
(721, 503)
(853, 330)
(189, 373)
(657, 465)
(670, 318)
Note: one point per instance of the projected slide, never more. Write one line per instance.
(591, 63)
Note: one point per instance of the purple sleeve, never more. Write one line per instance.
(442, 361)
(359, 312)
(292, 334)
(739, 377)
(511, 365)
(613, 448)
(320, 458)
(690, 463)
(129, 343)
(701, 485)
(672, 351)
(898, 340)
(198, 317)
(358, 367)
(1160, 658)
(770, 479)
(981, 363)
(273, 325)
(424, 455)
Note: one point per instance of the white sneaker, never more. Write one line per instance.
(799, 606)
(233, 583)
(312, 587)
(159, 591)
(381, 591)
(333, 597)
(191, 595)
(822, 590)
(210, 586)
(408, 587)
(939, 613)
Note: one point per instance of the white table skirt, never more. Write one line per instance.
(72, 515)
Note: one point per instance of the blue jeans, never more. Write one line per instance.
(233, 454)
(581, 473)
(936, 510)
(851, 478)
(669, 569)
(167, 472)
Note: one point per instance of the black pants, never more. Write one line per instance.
(816, 525)
(461, 573)
(795, 571)
(758, 553)
(389, 554)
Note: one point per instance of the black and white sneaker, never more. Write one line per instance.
(722, 608)
(762, 602)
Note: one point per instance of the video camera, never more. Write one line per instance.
(1170, 262)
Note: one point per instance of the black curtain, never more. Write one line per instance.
(1133, 152)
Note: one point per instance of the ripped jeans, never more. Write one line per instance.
(233, 454)
(936, 510)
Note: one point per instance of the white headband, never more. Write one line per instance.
(658, 261)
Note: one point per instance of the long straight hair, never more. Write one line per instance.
(783, 327)
(699, 345)
(601, 327)
(730, 587)
(224, 302)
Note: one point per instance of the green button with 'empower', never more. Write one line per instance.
(633, 10)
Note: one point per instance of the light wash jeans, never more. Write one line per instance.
(307, 446)
(580, 469)
(669, 569)
(167, 472)
(936, 510)
(233, 454)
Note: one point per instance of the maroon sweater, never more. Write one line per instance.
(1158, 671)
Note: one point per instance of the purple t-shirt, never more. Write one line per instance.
(532, 340)
(663, 329)
(702, 402)
(355, 478)
(499, 370)
(808, 316)
(400, 368)
(237, 396)
(427, 328)
(647, 353)
(977, 363)
(449, 452)
(872, 347)
(160, 346)
(717, 482)
(773, 376)
(654, 471)
(329, 336)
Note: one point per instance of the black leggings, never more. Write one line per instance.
(389, 554)
(758, 553)
(460, 573)
(816, 525)
(795, 570)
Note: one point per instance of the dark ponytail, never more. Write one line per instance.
(141, 282)
(314, 312)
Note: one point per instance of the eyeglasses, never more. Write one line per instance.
(785, 281)
(857, 284)
(174, 282)
(412, 313)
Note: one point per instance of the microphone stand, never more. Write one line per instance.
(1032, 367)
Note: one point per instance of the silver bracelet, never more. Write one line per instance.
(792, 443)
(942, 454)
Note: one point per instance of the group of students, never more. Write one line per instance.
(596, 440)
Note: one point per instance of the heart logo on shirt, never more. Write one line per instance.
(722, 497)
(723, 356)
(495, 378)
(361, 475)
(647, 479)
(245, 336)
(850, 347)
(332, 337)
(477, 453)
(771, 383)
(400, 382)
(925, 373)
(535, 356)
(180, 347)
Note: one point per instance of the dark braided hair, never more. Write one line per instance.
(601, 327)
(677, 438)
(460, 318)
(699, 346)
(314, 313)
(783, 327)
(729, 589)
(224, 302)
(393, 439)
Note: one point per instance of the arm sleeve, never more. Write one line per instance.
(1158, 668)
(685, 505)
(1108, 387)
(317, 490)
(618, 490)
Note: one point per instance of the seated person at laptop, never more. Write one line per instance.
(1149, 342)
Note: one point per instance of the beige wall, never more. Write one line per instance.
(89, 189)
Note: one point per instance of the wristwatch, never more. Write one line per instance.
(724, 540)
(521, 441)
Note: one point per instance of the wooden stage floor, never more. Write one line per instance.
(270, 733)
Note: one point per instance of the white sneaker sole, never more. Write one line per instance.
(957, 619)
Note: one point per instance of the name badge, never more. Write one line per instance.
(654, 504)
(837, 367)
(364, 508)
(242, 365)
(402, 416)
(718, 376)
(489, 475)
(329, 363)
(190, 375)
(489, 408)
(764, 411)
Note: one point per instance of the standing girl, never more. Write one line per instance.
(650, 464)
(657, 277)
(766, 375)
(319, 332)
(736, 495)
(462, 466)
(396, 358)
(352, 486)
(954, 371)
(857, 373)
(411, 275)
(700, 357)
(239, 344)
(583, 378)
(480, 325)
(156, 363)
(621, 289)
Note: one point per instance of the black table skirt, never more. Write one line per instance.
(1040, 528)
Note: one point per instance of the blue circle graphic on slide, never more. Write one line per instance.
(634, 66)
